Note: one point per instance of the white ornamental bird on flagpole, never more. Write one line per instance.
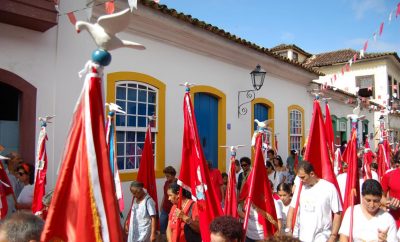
(232, 148)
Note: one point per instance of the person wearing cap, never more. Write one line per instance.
(24, 174)
(142, 221)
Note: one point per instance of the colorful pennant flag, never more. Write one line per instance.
(72, 18)
(84, 206)
(194, 175)
(381, 29)
(365, 46)
(110, 7)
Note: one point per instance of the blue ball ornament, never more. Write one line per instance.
(101, 57)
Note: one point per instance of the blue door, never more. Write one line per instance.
(260, 113)
(206, 111)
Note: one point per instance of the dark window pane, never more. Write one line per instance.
(152, 109)
(141, 136)
(130, 149)
(130, 164)
(10, 96)
(131, 108)
(138, 149)
(120, 149)
(120, 136)
(120, 163)
(152, 97)
(131, 121)
(142, 122)
(130, 136)
(142, 109)
(142, 87)
(121, 93)
(132, 85)
(120, 120)
(142, 96)
(132, 94)
(122, 104)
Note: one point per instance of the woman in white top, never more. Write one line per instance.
(280, 169)
(370, 222)
(274, 176)
(285, 197)
(25, 175)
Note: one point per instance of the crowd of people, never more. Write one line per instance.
(312, 213)
(308, 208)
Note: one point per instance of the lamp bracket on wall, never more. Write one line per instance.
(249, 95)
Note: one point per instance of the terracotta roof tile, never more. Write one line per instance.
(342, 56)
(208, 27)
(291, 46)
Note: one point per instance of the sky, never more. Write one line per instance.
(316, 26)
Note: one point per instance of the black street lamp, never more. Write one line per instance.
(257, 80)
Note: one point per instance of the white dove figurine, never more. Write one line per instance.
(263, 125)
(356, 114)
(103, 32)
(233, 148)
(187, 84)
(44, 121)
(115, 108)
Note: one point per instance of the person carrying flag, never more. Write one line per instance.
(318, 200)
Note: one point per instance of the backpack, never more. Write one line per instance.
(190, 234)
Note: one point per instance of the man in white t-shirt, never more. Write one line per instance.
(318, 200)
(370, 223)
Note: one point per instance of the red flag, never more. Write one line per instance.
(338, 161)
(329, 131)
(381, 29)
(72, 18)
(368, 158)
(146, 168)
(110, 7)
(317, 150)
(257, 192)
(317, 154)
(352, 192)
(230, 205)
(5, 190)
(40, 173)
(84, 206)
(382, 160)
(398, 10)
(365, 46)
(194, 174)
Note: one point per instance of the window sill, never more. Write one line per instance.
(131, 176)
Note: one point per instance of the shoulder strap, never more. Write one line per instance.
(190, 210)
(145, 205)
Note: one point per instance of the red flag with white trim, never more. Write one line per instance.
(368, 158)
(40, 173)
(5, 189)
(352, 191)
(84, 206)
(365, 46)
(194, 175)
(382, 160)
(230, 205)
(111, 145)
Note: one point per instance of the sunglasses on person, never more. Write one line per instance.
(244, 165)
